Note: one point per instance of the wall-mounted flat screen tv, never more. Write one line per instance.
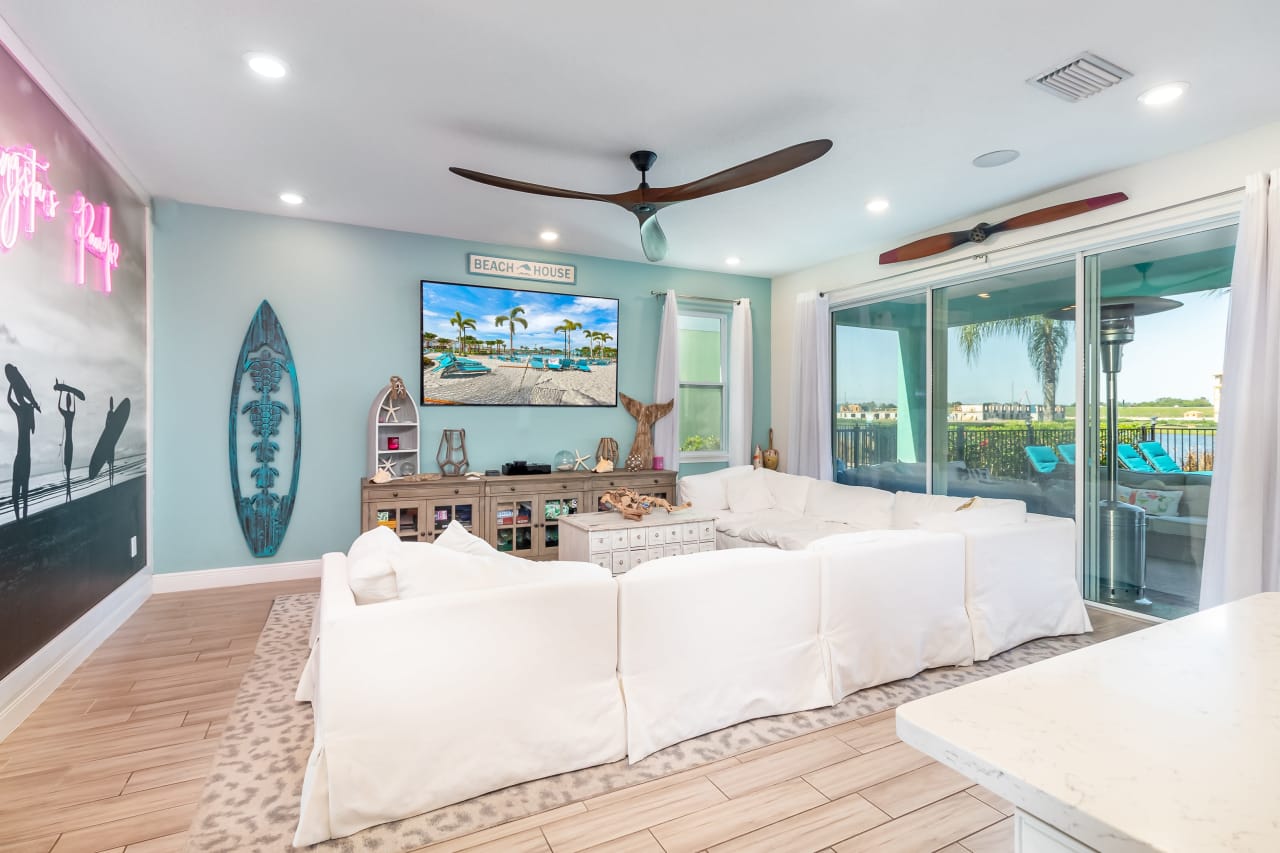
(498, 346)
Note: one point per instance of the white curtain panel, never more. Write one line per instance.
(666, 385)
(809, 435)
(740, 353)
(1242, 543)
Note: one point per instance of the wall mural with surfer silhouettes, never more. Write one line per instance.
(73, 345)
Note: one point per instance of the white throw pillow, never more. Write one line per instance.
(457, 538)
(974, 518)
(861, 506)
(789, 491)
(749, 494)
(707, 491)
(369, 572)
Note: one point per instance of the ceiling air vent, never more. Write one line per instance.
(1080, 77)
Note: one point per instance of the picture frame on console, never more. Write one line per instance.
(485, 345)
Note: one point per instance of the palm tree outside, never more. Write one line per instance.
(463, 323)
(1046, 340)
(511, 319)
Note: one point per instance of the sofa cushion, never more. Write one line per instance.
(369, 572)
(790, 492)
(706, 491)
(457, 538)
(910, 507)
(975, 518)
(862, 507)
(425, 569)
(748, 494)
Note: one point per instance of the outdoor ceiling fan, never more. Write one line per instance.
(645, 201)
(939, 243)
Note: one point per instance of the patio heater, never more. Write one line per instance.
(1122, 527)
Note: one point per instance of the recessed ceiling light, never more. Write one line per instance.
(984, 295)
(1166, 93)
(266, 65)
(878, 205)
(549, 236)
(291, 198)
(996, 158)
(733, 261)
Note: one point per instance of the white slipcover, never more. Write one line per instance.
(427, 701)
(892, 605)
(1020, 584)
(707, 640)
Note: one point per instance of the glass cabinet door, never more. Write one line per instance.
(403, 519)
(553, 509)
(443, 512)
(513, 524)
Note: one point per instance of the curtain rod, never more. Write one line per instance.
(1081, 230)
(702, 298)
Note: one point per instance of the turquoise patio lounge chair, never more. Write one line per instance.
(1068, 452)
(1130, 458)
(450, 364)
(1042, 457)
(583, 365)
(1160, 458)
(536, 363)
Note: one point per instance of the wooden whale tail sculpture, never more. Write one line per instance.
(640, 457)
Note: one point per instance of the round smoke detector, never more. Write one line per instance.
(995, 158)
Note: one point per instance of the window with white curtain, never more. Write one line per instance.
(704, 394)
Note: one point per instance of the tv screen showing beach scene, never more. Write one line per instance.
(498, 346)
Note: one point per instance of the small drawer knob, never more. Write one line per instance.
(455, 491)
(395, 494)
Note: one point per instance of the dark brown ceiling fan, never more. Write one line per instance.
(942, 242)
(645, 201)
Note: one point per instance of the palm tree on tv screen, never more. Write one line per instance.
(511, 319)
(1046, 340)
(568, 327)
(463, 323)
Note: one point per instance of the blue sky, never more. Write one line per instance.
(543, 311)
(1173, 354)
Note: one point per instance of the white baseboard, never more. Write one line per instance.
(235, 576)
(22, 690)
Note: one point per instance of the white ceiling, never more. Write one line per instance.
(384, 95)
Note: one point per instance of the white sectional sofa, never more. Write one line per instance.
(1020, 571)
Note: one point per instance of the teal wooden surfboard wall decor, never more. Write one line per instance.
(265, 431)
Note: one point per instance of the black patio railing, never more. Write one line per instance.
(999, 449)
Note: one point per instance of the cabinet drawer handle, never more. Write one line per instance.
(395, 494)
(611, 482)
(455, 491)
(564, 485)
(513, 488)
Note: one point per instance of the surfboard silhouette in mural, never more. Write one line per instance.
(265, 361)
(24, 406)
(104, 453)
(67, 396)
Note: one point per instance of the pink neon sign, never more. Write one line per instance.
(101, 246)
(23, 193)
(25, 197)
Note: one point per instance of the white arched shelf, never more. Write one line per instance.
(393, 422)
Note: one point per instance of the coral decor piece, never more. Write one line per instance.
(635, 506)
(640, 457)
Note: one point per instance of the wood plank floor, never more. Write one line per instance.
(116, 758)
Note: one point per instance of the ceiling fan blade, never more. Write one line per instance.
(652, 239)
(925, 247)
(1058, 211)
(525, 186)
(744, 174)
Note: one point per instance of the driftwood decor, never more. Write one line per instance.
(635, 506)
(640, 457)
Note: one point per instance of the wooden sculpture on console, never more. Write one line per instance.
(640, 457)
(635, 506)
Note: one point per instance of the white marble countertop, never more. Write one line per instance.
(1166, 739)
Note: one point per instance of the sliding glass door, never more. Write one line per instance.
(1086, 387)
(1158, 328)
(880, 380)
(1004, 368)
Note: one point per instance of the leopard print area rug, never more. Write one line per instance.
(250, 799)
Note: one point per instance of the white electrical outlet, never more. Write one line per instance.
(133, 546)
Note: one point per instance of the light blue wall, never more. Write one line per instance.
(348, 298)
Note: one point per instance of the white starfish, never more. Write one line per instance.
(580, 463)
(391, 410)
(388, 464)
